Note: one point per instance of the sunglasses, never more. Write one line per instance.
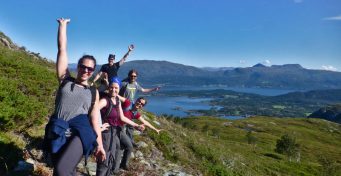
(83, 67)
(133, 76)
(140, 103)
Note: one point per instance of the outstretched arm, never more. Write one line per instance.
(148, 124)
(150, 90)
(62, 59)
(122, 99)
(128, 121)
(99, 74)
(124, 58)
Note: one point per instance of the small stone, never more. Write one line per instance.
(157, 123)
(139, 154)
(142, 144)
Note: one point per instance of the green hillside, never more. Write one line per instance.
(222, 147)
(27, 88)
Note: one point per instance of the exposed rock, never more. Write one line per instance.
(227, 123)
(273, 123)
(157, 123)
(137, 132)
(37, 154)
(250, 125)
(138, 154)
(147, 164)
(5, 42)
(141, 144)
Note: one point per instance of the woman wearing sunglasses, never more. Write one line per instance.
(69, 134)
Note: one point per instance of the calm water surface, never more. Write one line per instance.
(179, 106)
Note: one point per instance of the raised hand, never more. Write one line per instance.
(63, 20)
(131, 47)
(157, 88)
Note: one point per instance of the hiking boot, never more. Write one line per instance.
(124, 168)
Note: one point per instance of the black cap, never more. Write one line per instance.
(111, 56)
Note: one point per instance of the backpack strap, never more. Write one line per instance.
(93, 98)
(92, 90)
(109, 108)
(66, 80)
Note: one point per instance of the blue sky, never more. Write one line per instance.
(215, 33)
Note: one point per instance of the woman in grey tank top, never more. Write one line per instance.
(73, 103)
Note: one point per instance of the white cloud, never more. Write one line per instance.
(266, 62)
(242, 61)
(333, 18)
(328, 67)
(298, 1)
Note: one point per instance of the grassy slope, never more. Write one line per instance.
(27, 87)
(223, 150)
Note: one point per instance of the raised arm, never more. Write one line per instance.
(100, 153)
(124, 58)
(99, 74)
(62, 59)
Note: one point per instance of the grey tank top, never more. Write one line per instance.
(73, 100)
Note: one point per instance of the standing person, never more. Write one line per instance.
(130, 86)
(111, 68)
(112, 113)
(69, 134)
(127, 137)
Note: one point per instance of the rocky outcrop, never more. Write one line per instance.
(331, 113)
(146, 160)
(5, 42)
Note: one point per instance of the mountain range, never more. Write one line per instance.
(185, 146)
(288, 76)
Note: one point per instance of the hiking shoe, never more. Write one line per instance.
(124, 168)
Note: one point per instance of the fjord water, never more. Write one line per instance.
(180, 106)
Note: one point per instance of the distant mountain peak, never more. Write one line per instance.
(259, 65)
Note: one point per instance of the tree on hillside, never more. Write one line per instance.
(287, 145)
(205, 129)
(251, 139)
